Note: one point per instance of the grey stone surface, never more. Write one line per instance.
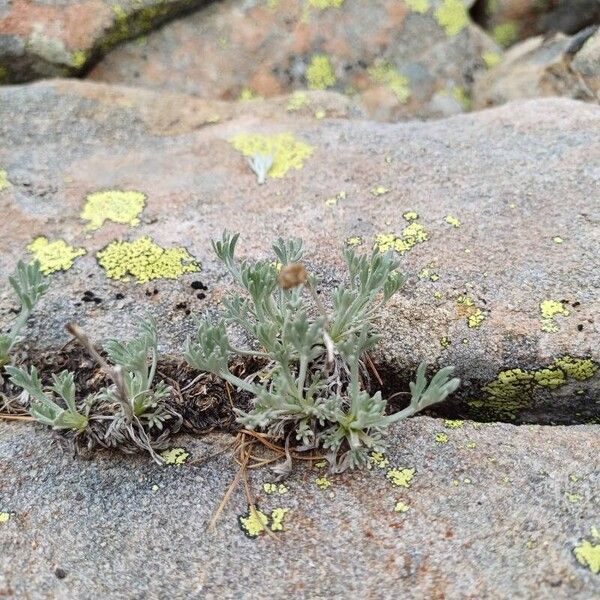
(520, 179)
(495, 512)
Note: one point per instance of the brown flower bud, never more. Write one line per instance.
(292, 275)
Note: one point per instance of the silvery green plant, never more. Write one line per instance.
(131, 413)
(29, 286)
(260, 165)
(312, 386)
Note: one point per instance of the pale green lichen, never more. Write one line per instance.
(275, 488)
(452, 15)
(380, 190)
(418, 6)
(4, 182)
(385, 73)
(54, 255)
(297, 101)
(401, 507)
(145, 260)
(175, 456)
(322, 483)
(452, 220)
(467, 308)
(323, 4)
(319, 73)
(491, 59)
(506, 34)
(119, 206)
(401, 477)
(587, 553)
(287, 152)
(412, 235)
(513, 389)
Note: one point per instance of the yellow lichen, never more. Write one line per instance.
(254, 522)
(275, 488)
(588, 555)
(401, 507)
(550, 378)
(549, 309)
(277, 516)
(319, 73)
(287, 152)
(119, 206)
(506, 33)
(412, 235)
(491, 59)
(379, 460)
(453, 423)
(248, 94)
(175, 456)
(452, 15)
(4, 183)
(445, 342)
(474, 315)
(380, 190)
(323, 4)
(401, 477)
(418, 6)
(354, 240)
(4, 517)
(410, 215)
(574, 498)
(576, 368)
(320, 464)
(54, 256)
(335, 199)
(441, 438)
(320, 113)
(78, 59)
(557, 239)
(451, 220)
(470, 445)
(462, 97)
(385, 73)
(297, 101)
(322, 483)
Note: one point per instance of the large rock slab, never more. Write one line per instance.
(50, 38)
(412, 58)
(496, 511)
(502, 250)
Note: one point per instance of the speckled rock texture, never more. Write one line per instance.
(401, 58)
(496, 511)
(494, 216)
(53, 38)
(556, 65)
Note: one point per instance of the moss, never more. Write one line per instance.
(452, 15)
(401, 477)
(175, 456)
(145, 260)
(119, 206)
(287, 152)
(401, 507)
(474, 315)
(491, 59)
(506, 34)
(4, 182)
(384, 73)
(418, 6)
(319, 73)
(54, 256)
(297, 101)
(412, 235)
(451, 220)
(587, 554)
